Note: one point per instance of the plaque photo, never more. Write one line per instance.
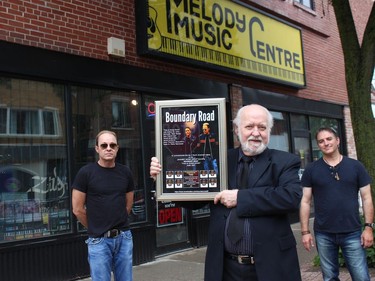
(191, 147)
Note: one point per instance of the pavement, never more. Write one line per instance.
(188, 265)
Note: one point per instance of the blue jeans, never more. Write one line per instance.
(111, 254)
(210, 164)
(328, 245)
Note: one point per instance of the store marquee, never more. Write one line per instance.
(224, 35)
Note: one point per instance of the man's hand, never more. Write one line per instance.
(155, 167)
(367, 237)
(307, 241)
(227, 197)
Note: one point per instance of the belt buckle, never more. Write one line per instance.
(241, 257)
(113, 233)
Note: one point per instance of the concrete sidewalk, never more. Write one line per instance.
(188, 265)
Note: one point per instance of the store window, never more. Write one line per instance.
(94, 110)
(279, 134)
(301, 137)
(43, 122)
(34, 197)
(121, 112)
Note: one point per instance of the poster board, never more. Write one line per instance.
(191, 147)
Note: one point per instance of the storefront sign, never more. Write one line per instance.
(224, 35)
(191, 146)
(169, 214)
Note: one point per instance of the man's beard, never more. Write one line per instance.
(247, 149)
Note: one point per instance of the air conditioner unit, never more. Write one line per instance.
(116, 47)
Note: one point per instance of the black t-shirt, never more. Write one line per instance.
(336, 201)
(105, 190)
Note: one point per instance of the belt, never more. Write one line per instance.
(112, 233)
(241, 259)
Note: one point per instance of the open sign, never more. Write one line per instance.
(169, 214)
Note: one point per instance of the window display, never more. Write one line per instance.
(34, 197)
(97, 109)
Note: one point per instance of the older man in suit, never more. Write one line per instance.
(249, 234)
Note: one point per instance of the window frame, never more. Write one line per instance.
(41, 126)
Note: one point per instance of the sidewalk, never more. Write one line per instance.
(188, 265)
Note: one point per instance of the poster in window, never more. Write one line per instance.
(191, 147)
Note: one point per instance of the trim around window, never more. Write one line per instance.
(306, 5)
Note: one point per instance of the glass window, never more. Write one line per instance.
(307, 3)
(301, 138)
(50, 122)
(3, 120)
(34, 197)
(279, 135)
(32, 122)
(97, 109)
(24, 122)
(121, 110)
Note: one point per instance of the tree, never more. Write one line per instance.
(359, 68)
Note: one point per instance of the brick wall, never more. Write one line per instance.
(236, 99)
(77, 27)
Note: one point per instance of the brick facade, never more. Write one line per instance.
(82, 27)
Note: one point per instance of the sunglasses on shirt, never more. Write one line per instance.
(111, 145)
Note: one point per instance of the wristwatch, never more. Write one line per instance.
(372, 225)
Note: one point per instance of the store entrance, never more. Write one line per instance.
(171, 220)
(171, 227)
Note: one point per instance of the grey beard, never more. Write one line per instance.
(253, 152)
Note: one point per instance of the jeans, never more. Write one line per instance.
(210, 164)
(111, 254)
(328, 245)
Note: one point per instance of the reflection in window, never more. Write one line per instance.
(3, 120)
(34, 197)
(301, 136)
(302, 149)
(24, 122)
(121, 114)
(33, 122)
(279, 135)
(50, 124)
(298, 122)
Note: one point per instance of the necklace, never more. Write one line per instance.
(333, 169)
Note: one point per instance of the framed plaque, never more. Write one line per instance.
(191, 147)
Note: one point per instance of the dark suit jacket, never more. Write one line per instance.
(275, 191)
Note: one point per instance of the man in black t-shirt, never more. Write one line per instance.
(333, 182)
(102, 199)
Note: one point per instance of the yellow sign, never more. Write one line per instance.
(228, 35)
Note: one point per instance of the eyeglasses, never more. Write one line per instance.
(111, 145)
(334, 173)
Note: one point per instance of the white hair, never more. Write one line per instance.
(237, 119)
